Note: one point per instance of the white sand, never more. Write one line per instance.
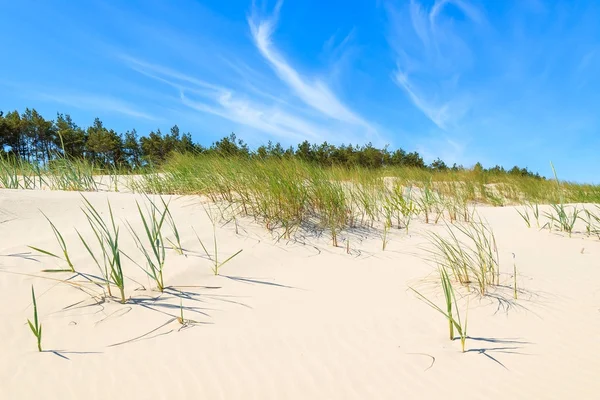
(292, 321)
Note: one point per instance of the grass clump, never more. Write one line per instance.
(176, 243)
(592, 222)
(286, 193)
(72, 174)
(107, 236)
(469, 251)
(214, 257)
(16, 173)
(61, 243)
(61, 173)
(399, 203)
(564, 217)
(384, 237)
(152, 221)
(525, 215)
(426, 201)
(35, 326)
(536, 213)
(330, 204)
(451, 311)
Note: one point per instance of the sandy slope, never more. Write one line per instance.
(292, 321)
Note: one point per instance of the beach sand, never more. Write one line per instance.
(290, 319)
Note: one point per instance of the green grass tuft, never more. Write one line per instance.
(35, 326)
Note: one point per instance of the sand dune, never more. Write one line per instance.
(292, 320)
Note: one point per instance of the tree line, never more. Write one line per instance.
(31, 137)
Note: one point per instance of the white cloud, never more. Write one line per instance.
(258, 116)
(419, 19)
(148, 70)
(278, 119)
(429, 57)
(438, 114)
(473, 13)
(272, 98)
(313, 92)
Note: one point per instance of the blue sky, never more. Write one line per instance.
(500, 82)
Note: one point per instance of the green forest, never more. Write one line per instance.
(30, 137)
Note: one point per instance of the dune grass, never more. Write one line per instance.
(527, 217)
(564, 217)
(35, 326)
(62, 173)
(107, 236)
(592, 221)
(155, 255)
(16, 173)
(176, 242)
(61, 243)
(214, 256)
(238, 179)
(451, 311)
(285, 194)
(536, 213)
(72, 175)
(469, 252)
(524, 213)
(427, 201)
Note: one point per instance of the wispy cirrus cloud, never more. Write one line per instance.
(313, 92)
(273, 98)
(272, 118)
(430, 57)
(261, 117)
(470, 11)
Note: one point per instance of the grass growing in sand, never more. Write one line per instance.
(284, 194)
(16, 173)
(35, 326)
(152, 220)
(176, 243)
(524, 213)
(564, 217)
(62, 173)
(451, 312)
(561, 215)
(466, 253)
(107, 236)
(592, 221)
(469, 252)
(61, 243)
(214, 257)
(287, 195)
(185, 174)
